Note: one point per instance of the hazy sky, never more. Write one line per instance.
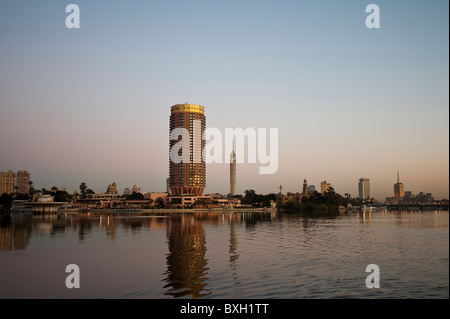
(93, 104)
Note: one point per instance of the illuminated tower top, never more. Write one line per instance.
(187, 108)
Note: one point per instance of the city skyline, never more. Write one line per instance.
(324, 187)
(91, 105)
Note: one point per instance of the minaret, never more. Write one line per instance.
(233, 172)
(305, 187)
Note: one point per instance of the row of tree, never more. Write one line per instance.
(251, 198)
(329, 201)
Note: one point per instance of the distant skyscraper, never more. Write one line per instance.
(7, 182)
(364, 188)
(188, 178)
(23, 182)
(233, 173)
(311, 189)
(399, 190)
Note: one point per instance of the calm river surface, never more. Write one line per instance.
(223, 255)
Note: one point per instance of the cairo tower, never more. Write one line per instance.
(233, 172)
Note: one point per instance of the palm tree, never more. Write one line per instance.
(31, 190)
(83, 188)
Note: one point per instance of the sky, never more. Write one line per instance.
(93, 104)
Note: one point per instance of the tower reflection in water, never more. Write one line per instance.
(186, 263)
(233, 252)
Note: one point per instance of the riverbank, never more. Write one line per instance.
(172, 210)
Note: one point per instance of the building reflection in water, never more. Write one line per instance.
(111, 228)
(186, 263)
(15, 230)
(234, 256)
(83, 225)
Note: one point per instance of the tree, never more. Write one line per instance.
(267, 199)
(31, 190)
(249, 197)
(330, 202)
(6, 201)
(61, 196)
(135, 196)
(159, 202)
(83, 188)
(46, 192)
(22, 197)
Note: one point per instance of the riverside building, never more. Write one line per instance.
(188, 177)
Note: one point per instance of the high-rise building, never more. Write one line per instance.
(23, 182)
(233, 173)
(399, 190)
(325, 187)
(364, 188)
(188, 175)
(7, 182)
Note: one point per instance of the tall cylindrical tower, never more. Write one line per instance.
(188, 177)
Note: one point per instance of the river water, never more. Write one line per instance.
(226, 255)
